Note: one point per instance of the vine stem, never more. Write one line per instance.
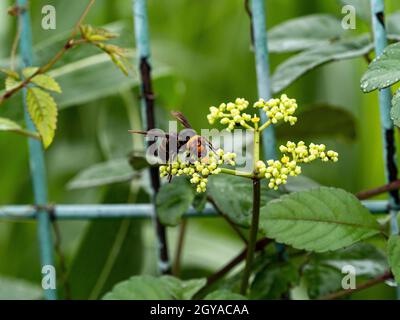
(179, 249)
(367, 284)
(61, 256)
(394, 185)
(212, 279)
(253, 236)
(82, 18)
(255, 217)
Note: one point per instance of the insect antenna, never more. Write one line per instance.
(181, 118)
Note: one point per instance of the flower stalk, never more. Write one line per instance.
(255, 216)
(238, 173)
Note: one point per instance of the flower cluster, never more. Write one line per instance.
(278, 171)
(199, 171)
(303, 153)
(97, 36)
(279, 109)
(231, 114)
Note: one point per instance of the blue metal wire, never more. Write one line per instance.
(95, 211)
(37, 163)
(135, 211)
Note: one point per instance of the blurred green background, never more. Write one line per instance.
(202, 48)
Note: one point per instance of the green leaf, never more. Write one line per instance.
(140, 288)
(112, 171)
(96, 34)
(17, 289)
(110, 251)
(200, 201)
(8, 125)
(298, 65)
(363, 8)
(304, 33)
(233, 196)
(364, 257)
(300, 183)
(224, 294)
(10, 73)
(393, 26)
(173, 200)
(395, 111)
(12, 83)
(117, 55)
(152, 288)
(273, 281)
(138, 161)
(42, 80)
(383, 71)
(323, 272)
(318, 220)
(112, 127)
(321, 279)
(19, 255)
(95, 77)
(265, 257)
(321, 121)
(393, 249)
(43, 111)
(183, 290)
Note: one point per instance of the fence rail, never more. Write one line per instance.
(135, 211)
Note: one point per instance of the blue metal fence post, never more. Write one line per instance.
(385, 104)
(263, 81)
(37, 163)
(262, 69)
(143, 48)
